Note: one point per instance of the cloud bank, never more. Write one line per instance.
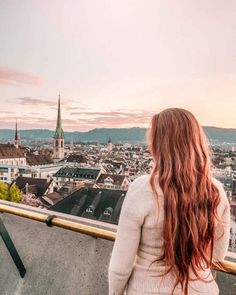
(10, 76)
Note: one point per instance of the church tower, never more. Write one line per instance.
(109, 145)
(59, 141)
(17, 138)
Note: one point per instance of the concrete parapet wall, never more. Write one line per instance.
(57, 261)
(60, 261)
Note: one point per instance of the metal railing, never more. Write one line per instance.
(53, 220)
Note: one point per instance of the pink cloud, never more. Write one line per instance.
(35, 101)
(95, 114)
(115, 116)
(13, 76)
(6, 112)
(113, 119)
(32, 101)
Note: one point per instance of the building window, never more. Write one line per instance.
(89, 210)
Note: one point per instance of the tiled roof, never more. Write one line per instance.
(76, 158)
(9, 151)
(73, 172)
(54, 197)
(118, 179)
(33, 160)
(38, 186)
(93, 203)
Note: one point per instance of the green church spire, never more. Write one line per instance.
(16, 132)
(59, 131)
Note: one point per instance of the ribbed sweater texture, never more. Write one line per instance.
(139, 242)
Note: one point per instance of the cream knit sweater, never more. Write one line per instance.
(139, 242)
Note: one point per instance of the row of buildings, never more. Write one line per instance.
(55, 175)
(91, 180)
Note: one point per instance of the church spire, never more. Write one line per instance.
(17, 137)
(59, 152)
(59, 131)
(16, 132)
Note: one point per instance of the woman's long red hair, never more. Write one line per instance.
(182, 167)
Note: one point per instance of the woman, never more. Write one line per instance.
(175, 222)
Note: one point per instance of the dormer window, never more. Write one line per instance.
(89, 210)
(108, 180)
(107, 212)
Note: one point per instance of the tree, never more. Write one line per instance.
(14, 194)
(3, 191)
(10, 193)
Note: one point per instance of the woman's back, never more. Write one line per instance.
(172, 218)
(140, 243)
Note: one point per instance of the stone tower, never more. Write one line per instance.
(59, 140)
(109, 145)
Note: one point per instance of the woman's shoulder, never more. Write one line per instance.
(138, 196)
(220, 187)
(139, 189)
(140, 181)
(224, 202)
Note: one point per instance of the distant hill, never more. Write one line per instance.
(118, 135)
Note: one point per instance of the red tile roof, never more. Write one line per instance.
(9, 151)
(118, 179)
(32, 159)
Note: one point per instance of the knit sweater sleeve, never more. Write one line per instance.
(221, 242)
(127, 240)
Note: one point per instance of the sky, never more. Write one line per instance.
(116, 63)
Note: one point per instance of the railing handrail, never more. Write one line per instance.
(223, 266)
(60, 222)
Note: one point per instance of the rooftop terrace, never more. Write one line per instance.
(71, 257)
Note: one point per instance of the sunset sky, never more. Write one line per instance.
(116, 63)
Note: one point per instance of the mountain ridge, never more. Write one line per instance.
(118, 135)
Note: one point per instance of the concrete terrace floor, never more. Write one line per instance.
(60, 261)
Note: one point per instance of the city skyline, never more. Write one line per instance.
(116, 64)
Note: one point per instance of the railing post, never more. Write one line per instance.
(12, 249)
